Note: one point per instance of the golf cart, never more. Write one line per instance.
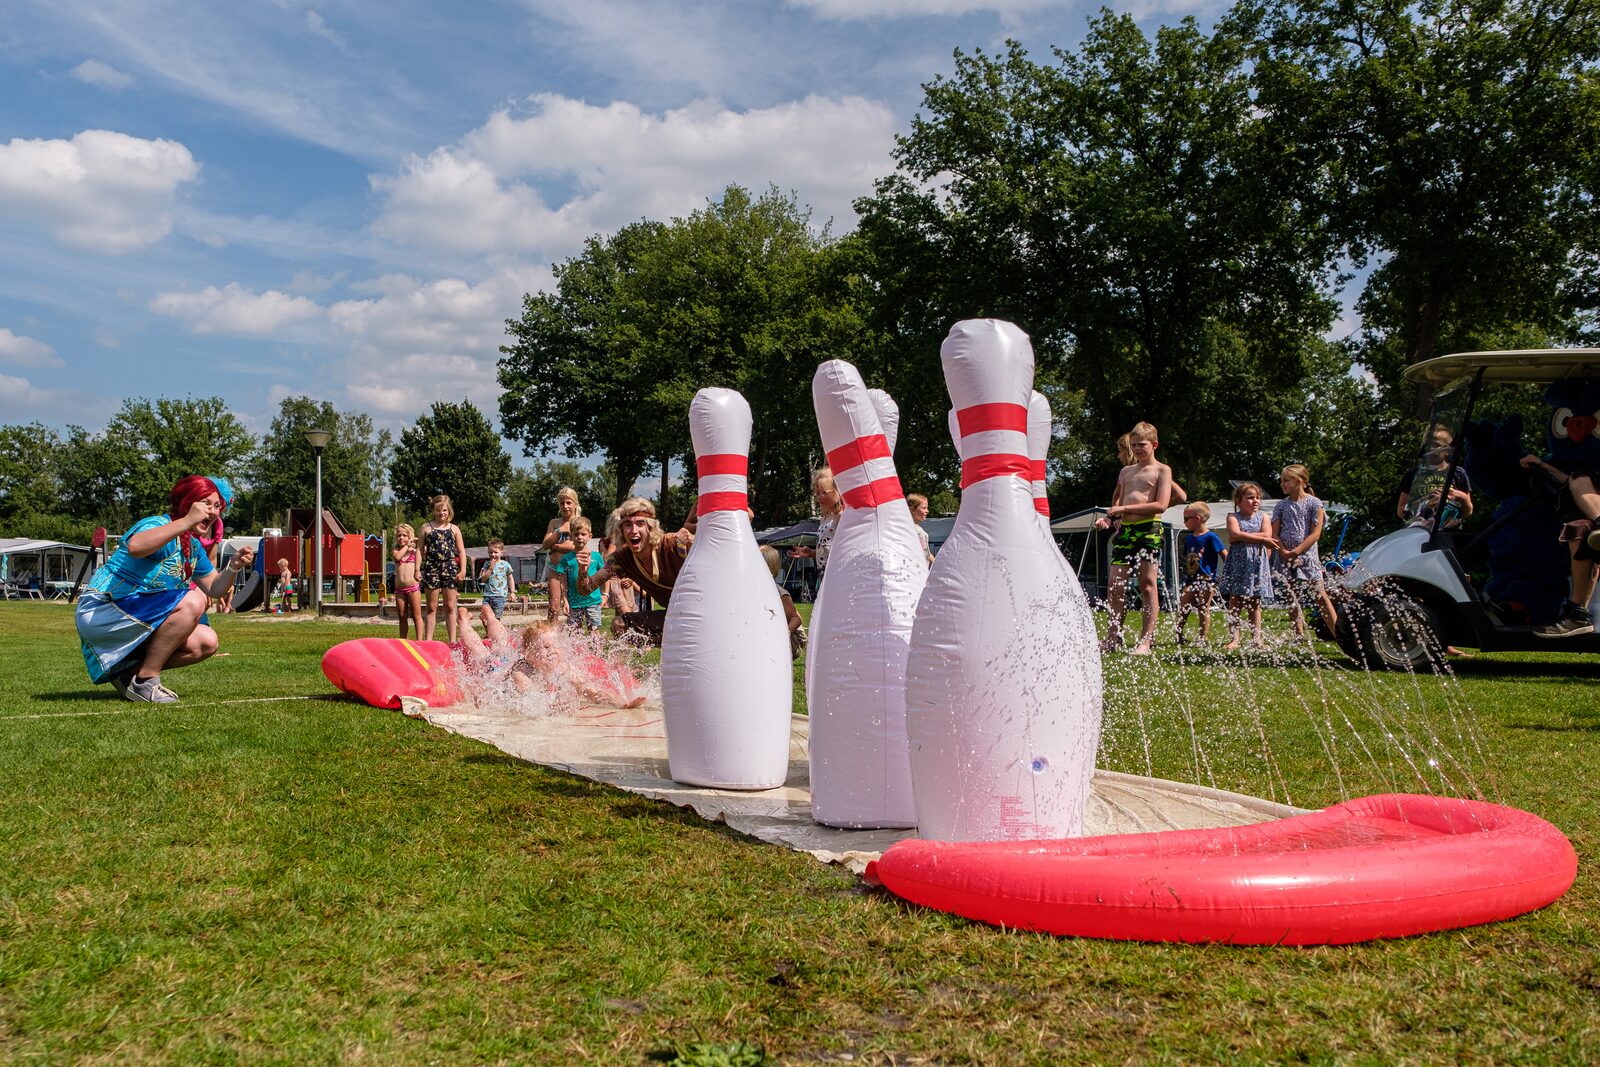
(1411, 594)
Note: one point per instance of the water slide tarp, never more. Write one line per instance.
(628, 750)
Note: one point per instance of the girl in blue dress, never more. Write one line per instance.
(144, 610)
(1247, 571)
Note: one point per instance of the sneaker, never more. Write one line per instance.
(149, 691)
(120, 680)
(1573, 622)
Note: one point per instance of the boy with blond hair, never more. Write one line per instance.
(1143, 492)
(495, 580)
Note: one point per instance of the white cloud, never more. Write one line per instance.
(21, 400)
(236, 310)
(415, 342)
(102, 191)
(1010, 11)
(870, 9)
(94, 72)
(482, 195)
(26, 352)
(319, 28)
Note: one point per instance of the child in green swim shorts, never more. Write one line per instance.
(1143, 492)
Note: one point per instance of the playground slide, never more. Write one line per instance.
(247, 591)
(248, 587)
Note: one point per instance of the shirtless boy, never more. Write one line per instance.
(1143, 492)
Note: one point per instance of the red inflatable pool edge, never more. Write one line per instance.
(1386, 866)
(381, 670)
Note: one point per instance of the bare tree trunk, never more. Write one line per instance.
(758, 463)
(661, 503)
(1423, 318)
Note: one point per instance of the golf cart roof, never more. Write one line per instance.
(1526, 365)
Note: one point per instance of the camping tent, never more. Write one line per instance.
(50, 567)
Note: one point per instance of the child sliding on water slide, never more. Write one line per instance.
(541, 663)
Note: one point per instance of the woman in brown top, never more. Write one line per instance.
(647, 556)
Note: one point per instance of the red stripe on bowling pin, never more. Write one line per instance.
(852, 466)
(723, 482)
(857, 452)
(981, 417)
(989, 418)
(1039, 432)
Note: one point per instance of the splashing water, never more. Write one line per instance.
(572, 669)
(1255, 720)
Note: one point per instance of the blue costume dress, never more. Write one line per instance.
(131, 596)
(1247, 572)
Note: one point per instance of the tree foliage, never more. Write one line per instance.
(455, 451)
(162, 440)
(1458, 142)
(741, 294)
(577, 374)
(1127, 208)
(283, 474)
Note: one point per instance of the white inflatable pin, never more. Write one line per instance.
(727, 689)
(888, 415)
(861, 624)
(1003, 683)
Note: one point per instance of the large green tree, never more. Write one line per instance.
(166, 439)
(353, 465)
(1458, 143)
(531, 497)
(576, 376)
(30, 471)
(741, 294)
(455, 451)
(1124, 205)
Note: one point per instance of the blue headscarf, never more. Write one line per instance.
(224, 490)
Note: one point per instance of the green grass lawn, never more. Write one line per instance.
(267, 873)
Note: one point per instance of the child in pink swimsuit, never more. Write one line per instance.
(407, 589)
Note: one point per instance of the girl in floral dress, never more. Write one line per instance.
(444, 565)
(1247, 571)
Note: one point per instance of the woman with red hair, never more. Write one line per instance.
(144, 610)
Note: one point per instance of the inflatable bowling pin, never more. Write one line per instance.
(888, 415)
(727, 688)
(1002, 683)
(1080, 614)
(1039, 431)
(861, 623)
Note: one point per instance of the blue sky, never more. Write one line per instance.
(347, 199)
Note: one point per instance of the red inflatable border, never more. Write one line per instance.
(1376, 867)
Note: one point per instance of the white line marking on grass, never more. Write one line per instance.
(181, 706)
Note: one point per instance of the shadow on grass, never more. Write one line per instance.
(1525, 671)
(1590, 727)
(106, 694)
(103, 692)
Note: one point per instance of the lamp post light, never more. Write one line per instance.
(318, 440)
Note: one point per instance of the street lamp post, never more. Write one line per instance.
(318, 440)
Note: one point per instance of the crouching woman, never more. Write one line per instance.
(144, 611)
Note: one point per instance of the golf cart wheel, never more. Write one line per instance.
(1400, 636)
